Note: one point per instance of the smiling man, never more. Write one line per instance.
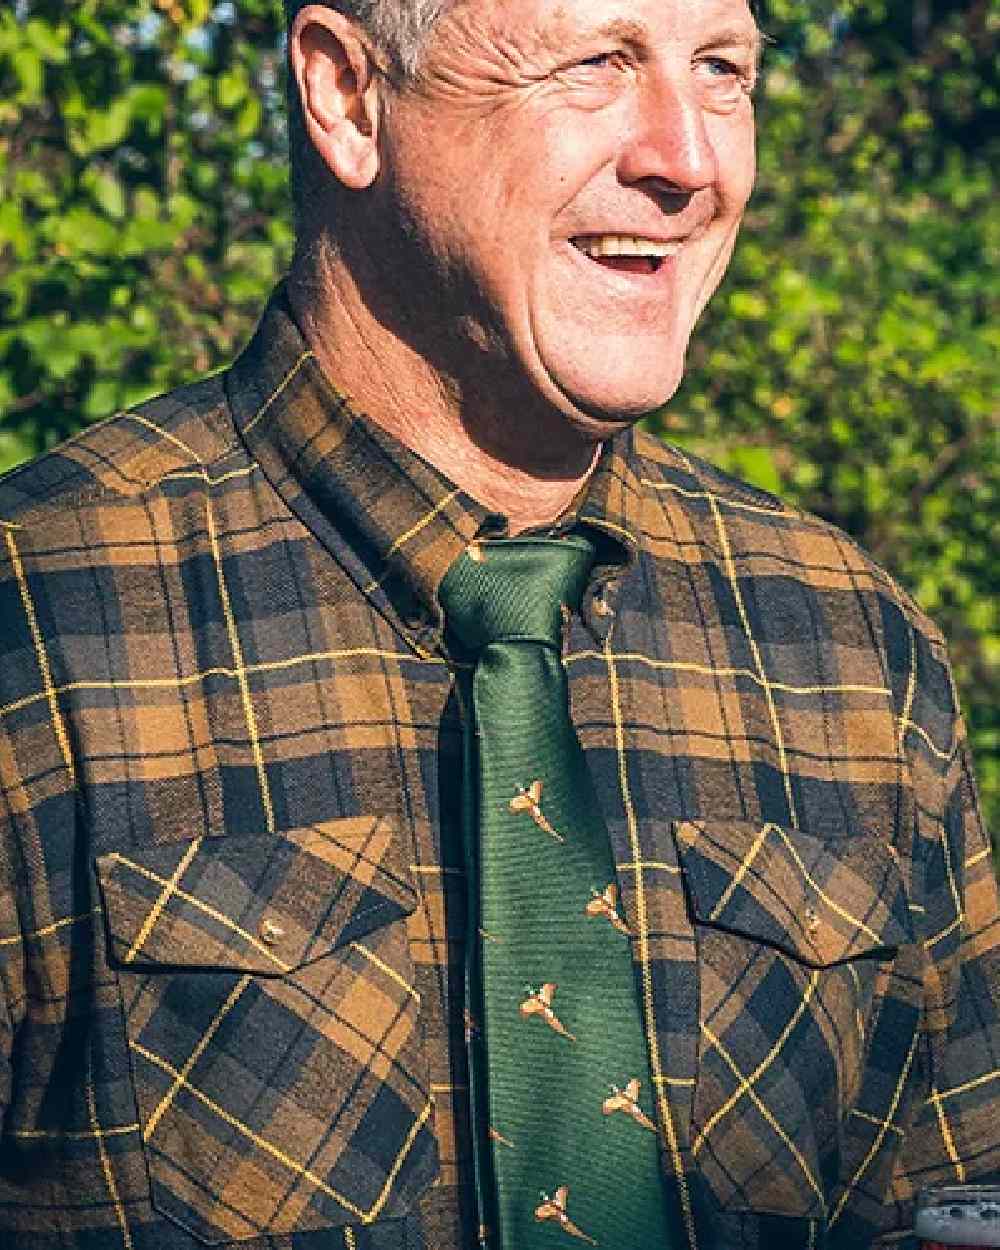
(434, 815)
(526, 231)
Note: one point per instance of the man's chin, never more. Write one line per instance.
(615, 381)
(603, 411)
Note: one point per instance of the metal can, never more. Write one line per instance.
(958, 1217)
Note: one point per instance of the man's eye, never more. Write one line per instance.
(722, 68)
(728, 72)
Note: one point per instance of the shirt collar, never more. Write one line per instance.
(393, 521)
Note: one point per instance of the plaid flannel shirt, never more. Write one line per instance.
(232, 896)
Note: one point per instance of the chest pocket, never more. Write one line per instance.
(269, 1006)
(796, 937)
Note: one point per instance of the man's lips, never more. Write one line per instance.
(627, 253)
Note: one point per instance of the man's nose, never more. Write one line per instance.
(669, 142)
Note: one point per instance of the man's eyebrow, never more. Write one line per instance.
(733, 36)
(736, 36)
(623, 28)
(630, 31)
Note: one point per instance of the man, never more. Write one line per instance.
(252, 746)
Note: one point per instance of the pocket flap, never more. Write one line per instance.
(820, 899)
(264, 904)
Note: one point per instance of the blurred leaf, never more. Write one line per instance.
(47, 40)
(101, 127)
(108, 193)
(81, 230)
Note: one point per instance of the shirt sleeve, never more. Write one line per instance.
(953, 1136)
(10, 956)
(6, 1039)
(15, 870)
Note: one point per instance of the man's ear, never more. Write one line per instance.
(338, 90)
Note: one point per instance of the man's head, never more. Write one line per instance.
(543, 193)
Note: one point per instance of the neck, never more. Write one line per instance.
(517, 458)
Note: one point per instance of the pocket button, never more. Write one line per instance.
(270, 933)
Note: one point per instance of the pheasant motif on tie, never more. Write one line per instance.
(552, 983)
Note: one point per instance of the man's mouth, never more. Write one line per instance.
(627, 253)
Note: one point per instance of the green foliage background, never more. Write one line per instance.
(851, 360)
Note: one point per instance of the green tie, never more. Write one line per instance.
(565, 1082)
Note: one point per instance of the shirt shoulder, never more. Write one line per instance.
(123, 456)
(771, 534)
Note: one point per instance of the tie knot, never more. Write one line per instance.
(515, 589)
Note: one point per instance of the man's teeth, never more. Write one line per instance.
(598, 245)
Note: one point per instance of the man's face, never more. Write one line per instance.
(570, 175)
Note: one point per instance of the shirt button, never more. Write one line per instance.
(270, 933)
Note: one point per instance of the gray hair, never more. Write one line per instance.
(398, 28)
